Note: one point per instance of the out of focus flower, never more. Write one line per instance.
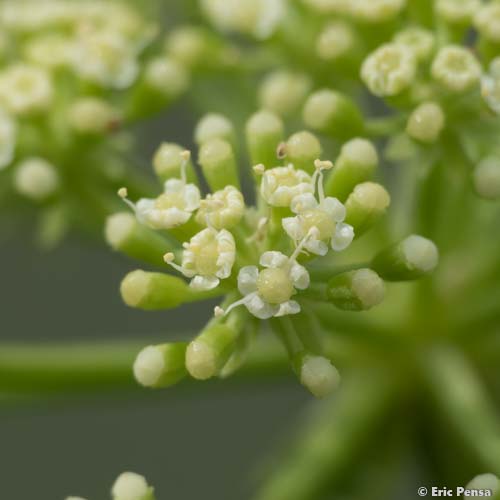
(8, 131)
(36, 178)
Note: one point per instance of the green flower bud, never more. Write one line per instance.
(365, 205)
(264, 132)
(333, 113)
(318, 375)
(356, 163)
(167, 162)
(91, 115)
(207, 354)
(283, 92)
(212, 126)
(161, 365)
(124, 233)
(456, 69)
(419, 40)
(166, 76)
(337, 40)
(358, 290)
(132, 486)
(36, 178)
(301, 149)
(426, 122)
(152, 291)
(486, 178)
(218, 164)
(410, 259)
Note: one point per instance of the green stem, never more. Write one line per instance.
(461, 398)
(332, 439)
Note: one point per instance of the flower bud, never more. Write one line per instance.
(486, 177)
(36, 178)
(160, 365)
(333, 113)
(264, 132)
(318, 375)
(337, 40)
(132, 486)
(207, 354)
(389, 70)
(365, 205)
(356, 163)
(375, 11)
(212, 126)
(482, 482)
(419, 40)
(457, 11)
(91, 115)
(456, 69)
(153, 291)
(187, 45)
(8, 133)
(357, 290)
(487, 21)
(301, 149)
(168, 160)
(410, 259)
(283, 92)
(426, 122)
(124, 233)
(75, 498)
(218, 164)
(166, 76)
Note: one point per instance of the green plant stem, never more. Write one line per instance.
(332, 438)
(461, 398)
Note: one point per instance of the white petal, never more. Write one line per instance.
(171, 217)
(191, 197)
(247, 279)
(173, 186)
(225, 262)
(344, 234)
(289, 307)
(303, 202)
(317, 247)
(299, 276)
(259, 308)
(202, 283)
(335, 208)
(273, 259)
(293, 228)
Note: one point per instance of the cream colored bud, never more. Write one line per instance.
(36, 178)
(456, 69)
(336, 40)
(419, 40)
(212, 126)
(482, 482)
(301, 149)
(91, 115)
(284, 92)
(457, 11)
(389, 70)
(166, 76)
(426, 122)
(319, 375)
(486, 177)
(375, 11)
(487, 21)
(131, 486)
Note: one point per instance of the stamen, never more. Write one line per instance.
(123, 193)
(259, 233)
(169, 259)
(219, 312)
(312, 233)
(186, 156)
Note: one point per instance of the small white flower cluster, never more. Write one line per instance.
(209, 255)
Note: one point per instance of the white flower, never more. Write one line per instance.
(389, 70)
(268, 292)
(318, 221)
(487, 21)
(457, 11)
(36, 178)
(280, 185)
(131, 486)
(490, 86)
(106, 58)
(259, 18)
(25, 89)
(207, 258)
(173, 207)
(456, 68)
(8, 132)
(418, 40)
(222, 209)
(50, 51)
(375, 11)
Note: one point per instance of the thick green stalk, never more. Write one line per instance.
(461, 398)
